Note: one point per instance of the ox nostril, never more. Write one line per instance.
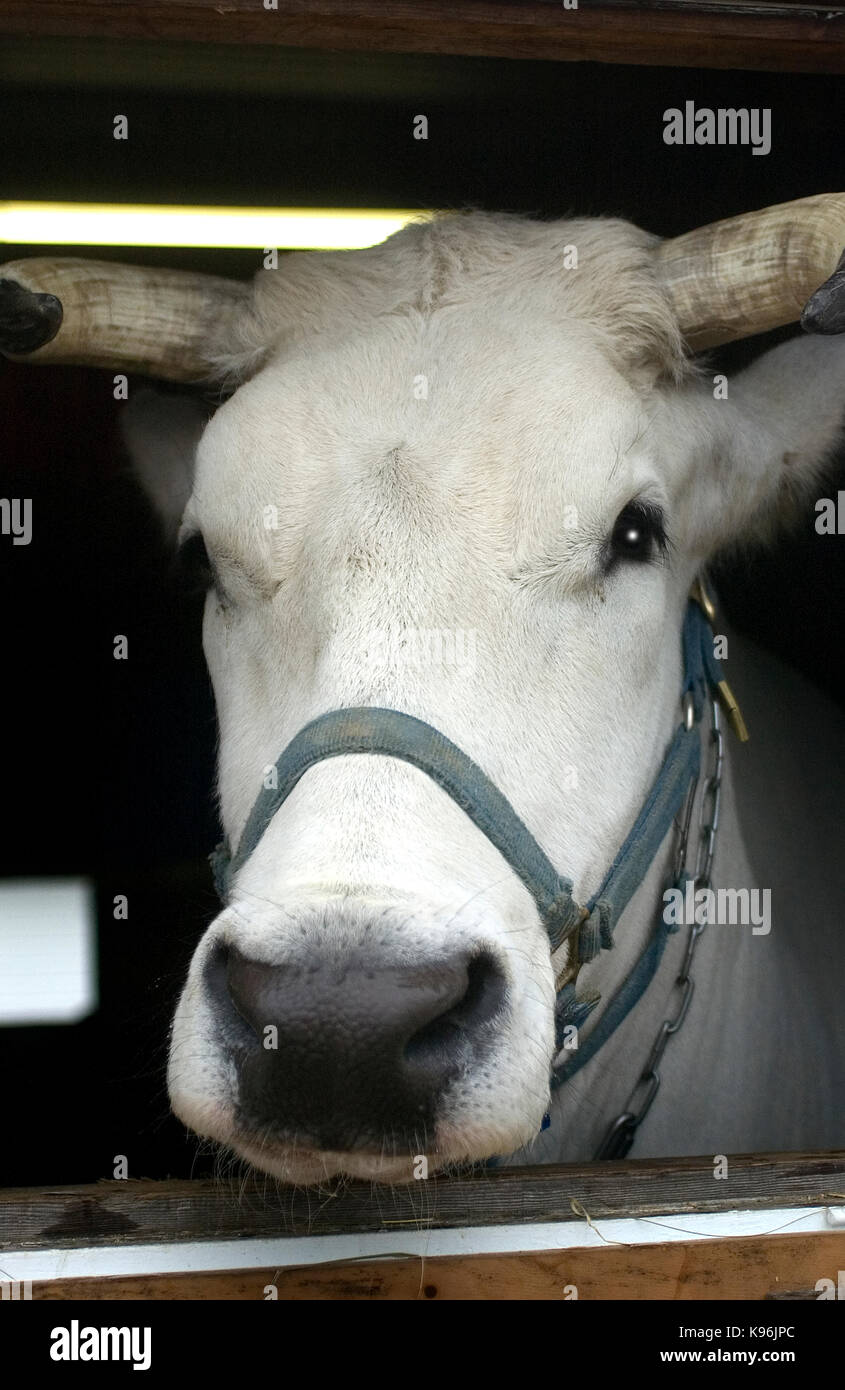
(446, 1037)
(235, 986)
(256, 991)
(214, 973)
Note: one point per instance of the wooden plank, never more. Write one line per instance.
(718, 34)
(752, 1267)
(113, 1213)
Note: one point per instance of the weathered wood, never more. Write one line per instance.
(751, 1267)
(113, 1213)
(762, 34)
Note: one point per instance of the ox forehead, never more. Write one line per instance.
(465, 430)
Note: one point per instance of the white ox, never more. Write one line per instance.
(461, 433)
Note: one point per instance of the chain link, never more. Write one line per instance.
(620, 1136)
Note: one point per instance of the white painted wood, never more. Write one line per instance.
(289, 1252)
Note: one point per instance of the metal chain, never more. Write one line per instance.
(620, 1136)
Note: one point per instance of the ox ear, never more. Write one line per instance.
(771, 442)
(161, 432)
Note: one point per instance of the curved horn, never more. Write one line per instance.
(747, 274)
(166, 323)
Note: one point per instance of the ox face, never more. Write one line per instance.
(484, 520)
(498, 573)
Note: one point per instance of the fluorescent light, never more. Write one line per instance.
(48, 971)
(117, 224)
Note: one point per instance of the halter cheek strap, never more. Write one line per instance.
(391, 733)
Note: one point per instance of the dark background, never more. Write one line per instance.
(108, 765)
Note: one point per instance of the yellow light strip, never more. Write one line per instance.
(119, 224)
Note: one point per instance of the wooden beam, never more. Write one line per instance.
(113, 1213)
(751, 1267)
(754, 34)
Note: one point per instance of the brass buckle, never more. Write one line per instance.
(724, 694)
(703, 599)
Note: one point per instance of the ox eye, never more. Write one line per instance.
(195, 570)
(639, 534)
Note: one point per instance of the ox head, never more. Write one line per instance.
(469, 475)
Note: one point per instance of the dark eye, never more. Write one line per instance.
(193, 567)
(639, 534)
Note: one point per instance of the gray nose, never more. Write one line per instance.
(364, 1050)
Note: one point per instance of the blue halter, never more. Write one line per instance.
(391, 733)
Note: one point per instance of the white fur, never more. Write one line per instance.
(547, 389)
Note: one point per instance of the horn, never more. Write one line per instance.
(165, 323)
(751, 273)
